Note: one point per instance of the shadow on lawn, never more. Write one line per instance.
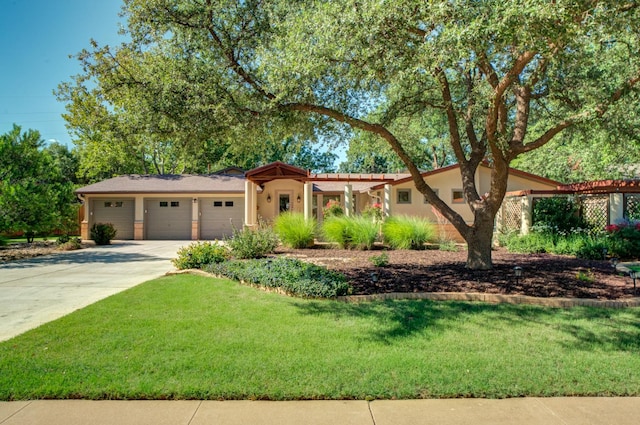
(615, 330)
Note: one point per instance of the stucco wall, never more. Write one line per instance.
(268, 211)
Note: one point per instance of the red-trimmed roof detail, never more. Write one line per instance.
(603, 186)
(276, 171)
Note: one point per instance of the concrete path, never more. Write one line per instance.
(42, 289)
(520, 411)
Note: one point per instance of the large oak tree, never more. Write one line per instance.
(491, 70)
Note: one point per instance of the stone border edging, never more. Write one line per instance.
(494, 299)
(462, 296)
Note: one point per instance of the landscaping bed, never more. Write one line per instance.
(544, 275)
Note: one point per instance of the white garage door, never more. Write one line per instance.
(118, 211)
(218, 217)
(166, 219)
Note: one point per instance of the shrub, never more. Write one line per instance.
(3, 241)
(333, 209)
(71, 244)
(350, 232)
(290, 275)
(381, 260)
(623, 239)
(532, 243)
(402, 232)
(199, 254)
(252, 243)
(373, 212)
(294, 230)
(560, 214)
(103, 233)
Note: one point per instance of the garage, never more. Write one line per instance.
(219, 215)
(167, 218)
(118, 211)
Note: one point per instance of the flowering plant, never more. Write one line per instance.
(333, 209)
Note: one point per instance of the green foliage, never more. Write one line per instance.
(381, 260)
(3, 241)
(623, 240)
(103, 233)
(405, 232)
(294, 230)
(447, 245)
(69, 244)
(199, 254)
(350, 232)
(293, 276)
(333, 209)
(35, 195)
(557, 214)
(252, 243)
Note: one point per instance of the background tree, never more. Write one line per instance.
(35, 195)
(505, 77)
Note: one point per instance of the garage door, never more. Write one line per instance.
(218, 216)
(167, 219)
(120, 212)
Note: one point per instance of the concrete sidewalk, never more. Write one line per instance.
(520, 411)
(41, 289)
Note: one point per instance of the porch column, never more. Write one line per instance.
(308, 201)
(195, 219)
(84, 224)
(348, 200)
(138, 223)
(320, 201)
(616, 207)
(527, 215)
(386, 204)
(250, 213)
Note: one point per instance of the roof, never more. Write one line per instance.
(276, 171)
(512, 171)
(167, 183)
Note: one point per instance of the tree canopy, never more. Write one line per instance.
(505, 78)
(36, 190)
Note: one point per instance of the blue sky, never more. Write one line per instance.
(36, 39)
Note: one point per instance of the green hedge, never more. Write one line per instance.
(292, 276)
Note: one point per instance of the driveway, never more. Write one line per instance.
(42, 289)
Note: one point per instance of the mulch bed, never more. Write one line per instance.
(544, 275)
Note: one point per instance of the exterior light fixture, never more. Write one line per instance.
(195, 200)
(605, 251)
(298, 199)
(268, 197)
(633, 274)
(517, 272)
(614, 263)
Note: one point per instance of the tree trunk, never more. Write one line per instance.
(479, 243)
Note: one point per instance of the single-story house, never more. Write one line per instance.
(207, 207)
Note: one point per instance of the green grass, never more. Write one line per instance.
(184, 337)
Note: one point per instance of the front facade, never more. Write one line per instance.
(210, 207)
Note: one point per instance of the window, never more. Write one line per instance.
(164, 204)
(175, 203)
(404, 196)
(107, 204)
(117, 204)
(217, 203)
(228, 203)
(437, 194)
(457, 196)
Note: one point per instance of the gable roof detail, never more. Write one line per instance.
(276, 171)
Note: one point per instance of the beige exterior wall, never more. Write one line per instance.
(268, 211)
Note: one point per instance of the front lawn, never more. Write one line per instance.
(196, 337)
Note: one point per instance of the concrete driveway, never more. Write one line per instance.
(42, 289)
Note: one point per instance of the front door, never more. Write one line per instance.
(284, 200)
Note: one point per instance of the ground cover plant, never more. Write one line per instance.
(290, 275)
(193, 337)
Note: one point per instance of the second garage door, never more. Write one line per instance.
(168, 219)
(218, 217)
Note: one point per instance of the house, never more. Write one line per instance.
(206, 207)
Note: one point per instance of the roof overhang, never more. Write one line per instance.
(276, 171)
